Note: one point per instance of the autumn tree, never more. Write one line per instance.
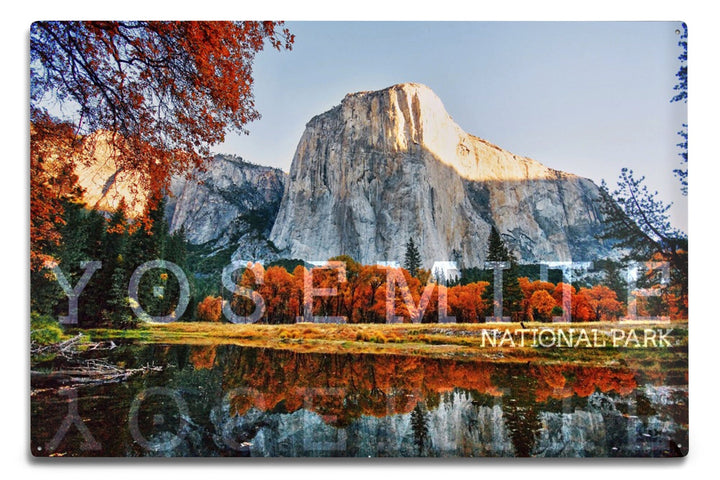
(164, 91)
(603, 302)
(466, 302)
(541, 305)
(210, 309)
(278, 290)
(368, 295)
(52, 186)
(580, 308)
(347, 290)
(528, 289)
(242, 302)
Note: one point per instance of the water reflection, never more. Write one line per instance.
(234, 401)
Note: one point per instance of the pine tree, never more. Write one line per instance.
(638, 222)
(512, 293)
(116, 268)
(613, 277)
(147, 245)
(497, 251)
(83, 237)
(418, 423)
(412, 258)
(119, 313)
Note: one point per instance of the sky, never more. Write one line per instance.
(584, 97)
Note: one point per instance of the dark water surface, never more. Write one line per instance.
(239, 401)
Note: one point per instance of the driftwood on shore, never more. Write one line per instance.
(81, 370)
(92, 372)
(69, 347)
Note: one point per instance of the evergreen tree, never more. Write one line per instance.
(412, 258)
(83, 236)
(497, 251)
(418, 423)
(512, 293)
(147, 245)
(88, 235)
(681, 96)
(159, 289)
(638, 222)
(118, 311)
(613, 277)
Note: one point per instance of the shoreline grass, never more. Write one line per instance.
(461, 341)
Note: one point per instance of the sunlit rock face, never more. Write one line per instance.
(104, 184)
(386, 166)
(232, 202)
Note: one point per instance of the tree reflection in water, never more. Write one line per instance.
(270, 402)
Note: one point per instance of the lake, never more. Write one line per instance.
(229, 400)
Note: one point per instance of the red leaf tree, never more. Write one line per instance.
(164, 93)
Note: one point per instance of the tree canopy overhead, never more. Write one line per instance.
(165, 86)
(163, 92)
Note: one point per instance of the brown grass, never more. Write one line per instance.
(433, 340)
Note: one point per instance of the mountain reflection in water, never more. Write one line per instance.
(237, 401)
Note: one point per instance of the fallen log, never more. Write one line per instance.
(93, 372)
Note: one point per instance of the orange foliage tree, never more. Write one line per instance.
(581, 310)
(529, 289)
(210, 309)
(164, 91)
(466, 302)
(51, 185)
(368, 302)
(278, 290)
(363, 296)
(541, 305)
(603, 302)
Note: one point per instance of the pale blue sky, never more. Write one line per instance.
(587, 98)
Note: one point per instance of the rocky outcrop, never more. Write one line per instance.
(232, 203)
(387, 166)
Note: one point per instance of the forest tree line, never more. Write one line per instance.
(122, 246)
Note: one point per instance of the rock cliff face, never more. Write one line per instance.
(387, 166)
(232, 203)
